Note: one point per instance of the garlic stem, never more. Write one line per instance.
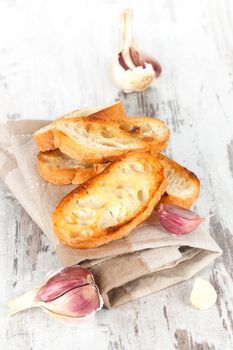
(23, 302)
(126, 36)
(126, 30)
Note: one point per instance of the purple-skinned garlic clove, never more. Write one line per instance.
(77, 302)
(63, 281)
(178, 221)
(155, 64)
(136, 57)
(68, 295)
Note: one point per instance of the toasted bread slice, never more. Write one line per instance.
(182, 187)
(109, 205)
(93, 140)
(44, 137)
(59, 169)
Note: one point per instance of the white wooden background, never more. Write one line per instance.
(54, 57)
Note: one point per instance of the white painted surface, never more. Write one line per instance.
(54, 56)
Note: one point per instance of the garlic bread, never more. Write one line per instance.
(59, 169)
(182, 187)
(111, 204)
(44, 137)
(93, 140)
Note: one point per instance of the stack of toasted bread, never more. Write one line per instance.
(121, 175)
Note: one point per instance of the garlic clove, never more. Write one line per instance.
(177, 220)
(70, 321)
(78, 302)
(140, 59)
(63, 281)
(68, 294)
(203, 295)
(136, 57)
(122, 62)
(155, 64)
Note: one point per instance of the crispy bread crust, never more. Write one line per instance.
(44, 137)
(141, 121)
(53, 174)
(187, 176)
(45, 140)
(67, 232)
(63, 175)
(81, 177)
(127, 130)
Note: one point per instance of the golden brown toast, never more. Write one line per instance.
(108, 206)
(44, 137)
(183, 186)
(93, 140)
(59, 169)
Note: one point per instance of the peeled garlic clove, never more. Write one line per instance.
(69, 294)
(63, 281)
(177, 220)
(78, 302)
(203, 295)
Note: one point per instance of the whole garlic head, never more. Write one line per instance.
(132, 70)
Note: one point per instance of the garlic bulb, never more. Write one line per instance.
(131, 70)
(203, 295)
(177, 220)
(68, 295)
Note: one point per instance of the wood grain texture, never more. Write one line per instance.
(54, 57)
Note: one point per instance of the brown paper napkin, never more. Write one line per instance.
(146, 261)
